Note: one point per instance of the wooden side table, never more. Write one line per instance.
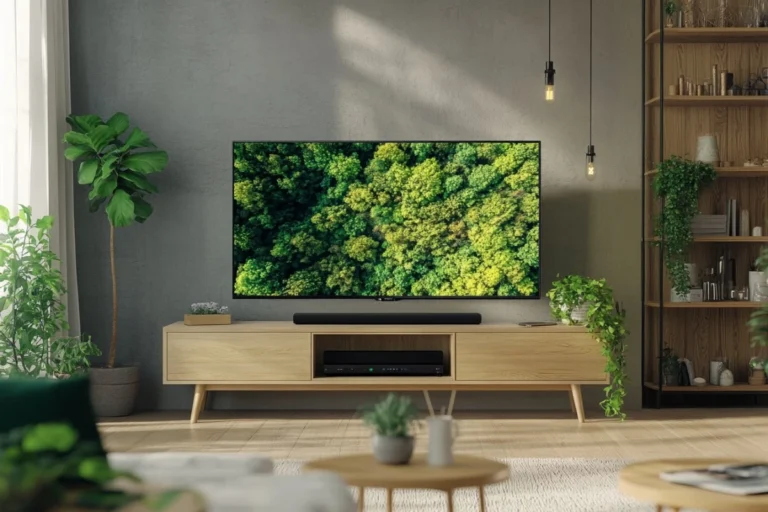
(363, 471)
(641, 481)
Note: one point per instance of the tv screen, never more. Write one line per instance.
(386, 219)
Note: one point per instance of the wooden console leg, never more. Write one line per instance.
(451, 402)
(361, 499)
(573, 405)
(197, 402)
(577, 401)
(429, 403)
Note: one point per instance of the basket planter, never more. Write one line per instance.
(207, 319)
(757, 378)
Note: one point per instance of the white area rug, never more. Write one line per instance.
(546, 485)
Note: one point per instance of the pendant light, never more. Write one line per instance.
(590, 147)
(549, 69)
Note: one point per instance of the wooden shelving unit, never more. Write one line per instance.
(701, 331)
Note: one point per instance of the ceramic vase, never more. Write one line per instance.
(393, 450)
(706, 150)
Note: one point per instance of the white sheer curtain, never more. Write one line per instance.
(34, 101)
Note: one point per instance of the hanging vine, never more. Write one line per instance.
(605, 321)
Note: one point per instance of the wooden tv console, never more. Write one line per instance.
(259, 356)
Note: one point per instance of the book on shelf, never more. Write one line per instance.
(710, 225)
(737, 479)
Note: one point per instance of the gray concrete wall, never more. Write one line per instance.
(197, 75)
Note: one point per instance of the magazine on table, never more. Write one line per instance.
(739, 479)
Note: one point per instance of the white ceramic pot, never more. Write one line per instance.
(578, 314)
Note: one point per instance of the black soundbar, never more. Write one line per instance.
(383, 362)
(387, 318)
(398, 370)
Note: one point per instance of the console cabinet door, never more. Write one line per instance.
(534, 357)
(237, 357)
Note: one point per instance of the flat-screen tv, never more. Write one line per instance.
(387, 220)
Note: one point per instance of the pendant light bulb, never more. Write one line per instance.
(590, 162)
(549, 81)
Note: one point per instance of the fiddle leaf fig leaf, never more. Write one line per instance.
(87, 171)
(72, 153)
(119, 123)
(148, 162)
(139, 181)
(137, 139)
(120, 209)
(84, 124)
(100, 137)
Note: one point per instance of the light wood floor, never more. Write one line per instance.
(307, 435)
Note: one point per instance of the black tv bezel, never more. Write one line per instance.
(383, 298)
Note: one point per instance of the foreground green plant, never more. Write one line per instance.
(116, 171)
(45, 465)
(605, 321)
(758, 321)
(678, 184)
(392, 417)
(32, 314)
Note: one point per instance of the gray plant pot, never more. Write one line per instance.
(114, 390)
(393, 450)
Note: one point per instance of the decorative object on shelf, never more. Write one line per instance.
(681, 85)
(744, 223)
(590, 147)
(549, 66)
(707, 13)
(207, 313)
(116, 172)
(443, 431)
(726, 83)
(757, 280)
(726, 378)
(693, 278)
(392, 421)
(689, 13)
(33, 314)
(715, 81)
(757, 231)
(699, 381)
(670, 8)
(757, 371)
(605, 321)
(678, 183)
(670, 366)
(706, 149)
(723, 18)
(716, 368)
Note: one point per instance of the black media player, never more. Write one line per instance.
(406, 363)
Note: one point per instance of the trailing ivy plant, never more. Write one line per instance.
(678, 184)
(605, 321)
(758, 321)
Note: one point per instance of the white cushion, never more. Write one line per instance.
(190, 464)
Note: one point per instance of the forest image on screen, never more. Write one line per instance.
(386, 219)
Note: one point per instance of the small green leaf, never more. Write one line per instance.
(142, 209)
(77, 138)
(72, 153)
(49, 437)
(109, 165)
(44, 222)
(87, 171)
(148, 162)
(118, 122)
(5, 215)
(137, 139)
(95, 204)
(103, 187)
(120, 209)
(100, 137)
(84, 124)
(139, 181)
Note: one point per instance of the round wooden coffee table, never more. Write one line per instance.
(363, 471)
(641, 481)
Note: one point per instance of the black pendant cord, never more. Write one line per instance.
(590, 72)
(550, 31)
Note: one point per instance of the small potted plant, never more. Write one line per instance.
(571, 296)
(392, 420)
(670, 366)
(207, 313)
(757, 371)
(670, 8)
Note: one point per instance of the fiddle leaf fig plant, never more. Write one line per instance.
(605, 321)
(678, 184)
(116, 169)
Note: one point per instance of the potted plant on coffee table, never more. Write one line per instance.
(392, 420)
(116, 171)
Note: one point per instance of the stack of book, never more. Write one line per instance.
(710, 225)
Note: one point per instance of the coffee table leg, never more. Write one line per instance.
(360, 499)
(389, 500)
(450, 500)
(481, 492)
